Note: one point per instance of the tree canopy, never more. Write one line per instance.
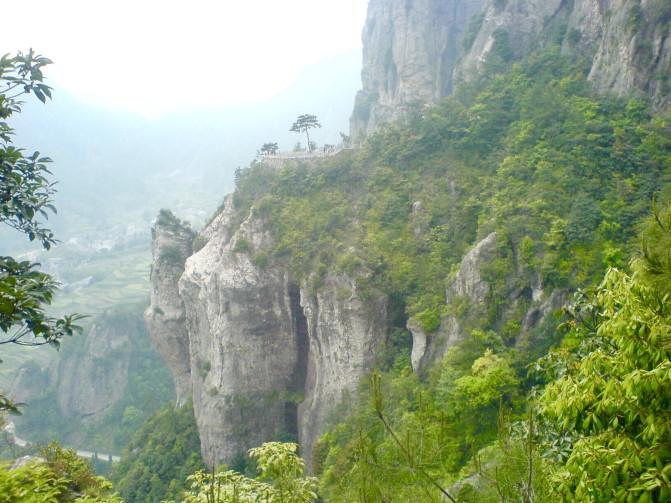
(25, 202)
(269, 148)
(303, 124)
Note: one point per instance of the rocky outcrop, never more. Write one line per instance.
(241, 340)
(468, 298)
(418, 51)
(633, 53)
(410, 48)
(344, 333)
(627, 41)
(89, 378)
(269, 355)
(172, 243)
(88, 385)
(468, 287)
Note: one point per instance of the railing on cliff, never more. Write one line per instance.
(278, 158)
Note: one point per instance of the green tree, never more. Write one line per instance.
(25, 199)
(60, 476)
(162, 453)
(269, 149)
(281, 479)
(613, 399)
(303, 124)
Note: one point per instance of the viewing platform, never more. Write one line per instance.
(276, 160)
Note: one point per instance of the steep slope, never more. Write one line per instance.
(171, 245)
(467, 226)
(410, 50)
(102, 387)
(260, 341)
(474, 219)
(419, 52)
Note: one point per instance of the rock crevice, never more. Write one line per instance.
(269, 357)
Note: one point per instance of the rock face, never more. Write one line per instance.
(171, 245)
(86, 388)
(418, 51)
(410, 48)
(268, 356)
(92, 378)
(343, 335)
(242, 344)
(468, 298)
(89, 378)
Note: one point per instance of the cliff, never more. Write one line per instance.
(171, 245)
(469, 298)
(269, 357)
(475, 219)
(410, 49)
(417, 52)
(104, 384)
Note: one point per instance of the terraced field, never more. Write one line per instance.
(93, 283)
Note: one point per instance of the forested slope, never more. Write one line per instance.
(560, 175)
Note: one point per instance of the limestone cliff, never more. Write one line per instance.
(344, 333)
(89, 378)
(171, 245)
(418, 51)
(410, 48)
(86, 387)
(82, 397)
(470, 295)
(269, 357)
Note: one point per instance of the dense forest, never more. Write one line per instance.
(574, 189)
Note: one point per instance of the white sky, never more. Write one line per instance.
(152, 57)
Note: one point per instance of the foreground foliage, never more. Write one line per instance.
(281, 479)
(25, 198)
(58, 476)
(613, 399)
(160, 457)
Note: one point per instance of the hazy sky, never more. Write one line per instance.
(152, 56)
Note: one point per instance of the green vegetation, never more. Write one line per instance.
(566, 180)
(269, 148)
(59, 476)
(303, 124)
(612, 398)
(563, 177)
(531, 154)
(281, 478)
(161, 455)
(149, 387)
(25, 198)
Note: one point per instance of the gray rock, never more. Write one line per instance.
(241, 341)
(171, 245)
(344, 332)
(467, 300)
(85, 388)
(267, 356)
(410, 49)
(468, 285)
(415, 54)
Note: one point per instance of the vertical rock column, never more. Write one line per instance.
(171, 245)
(242, 344)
